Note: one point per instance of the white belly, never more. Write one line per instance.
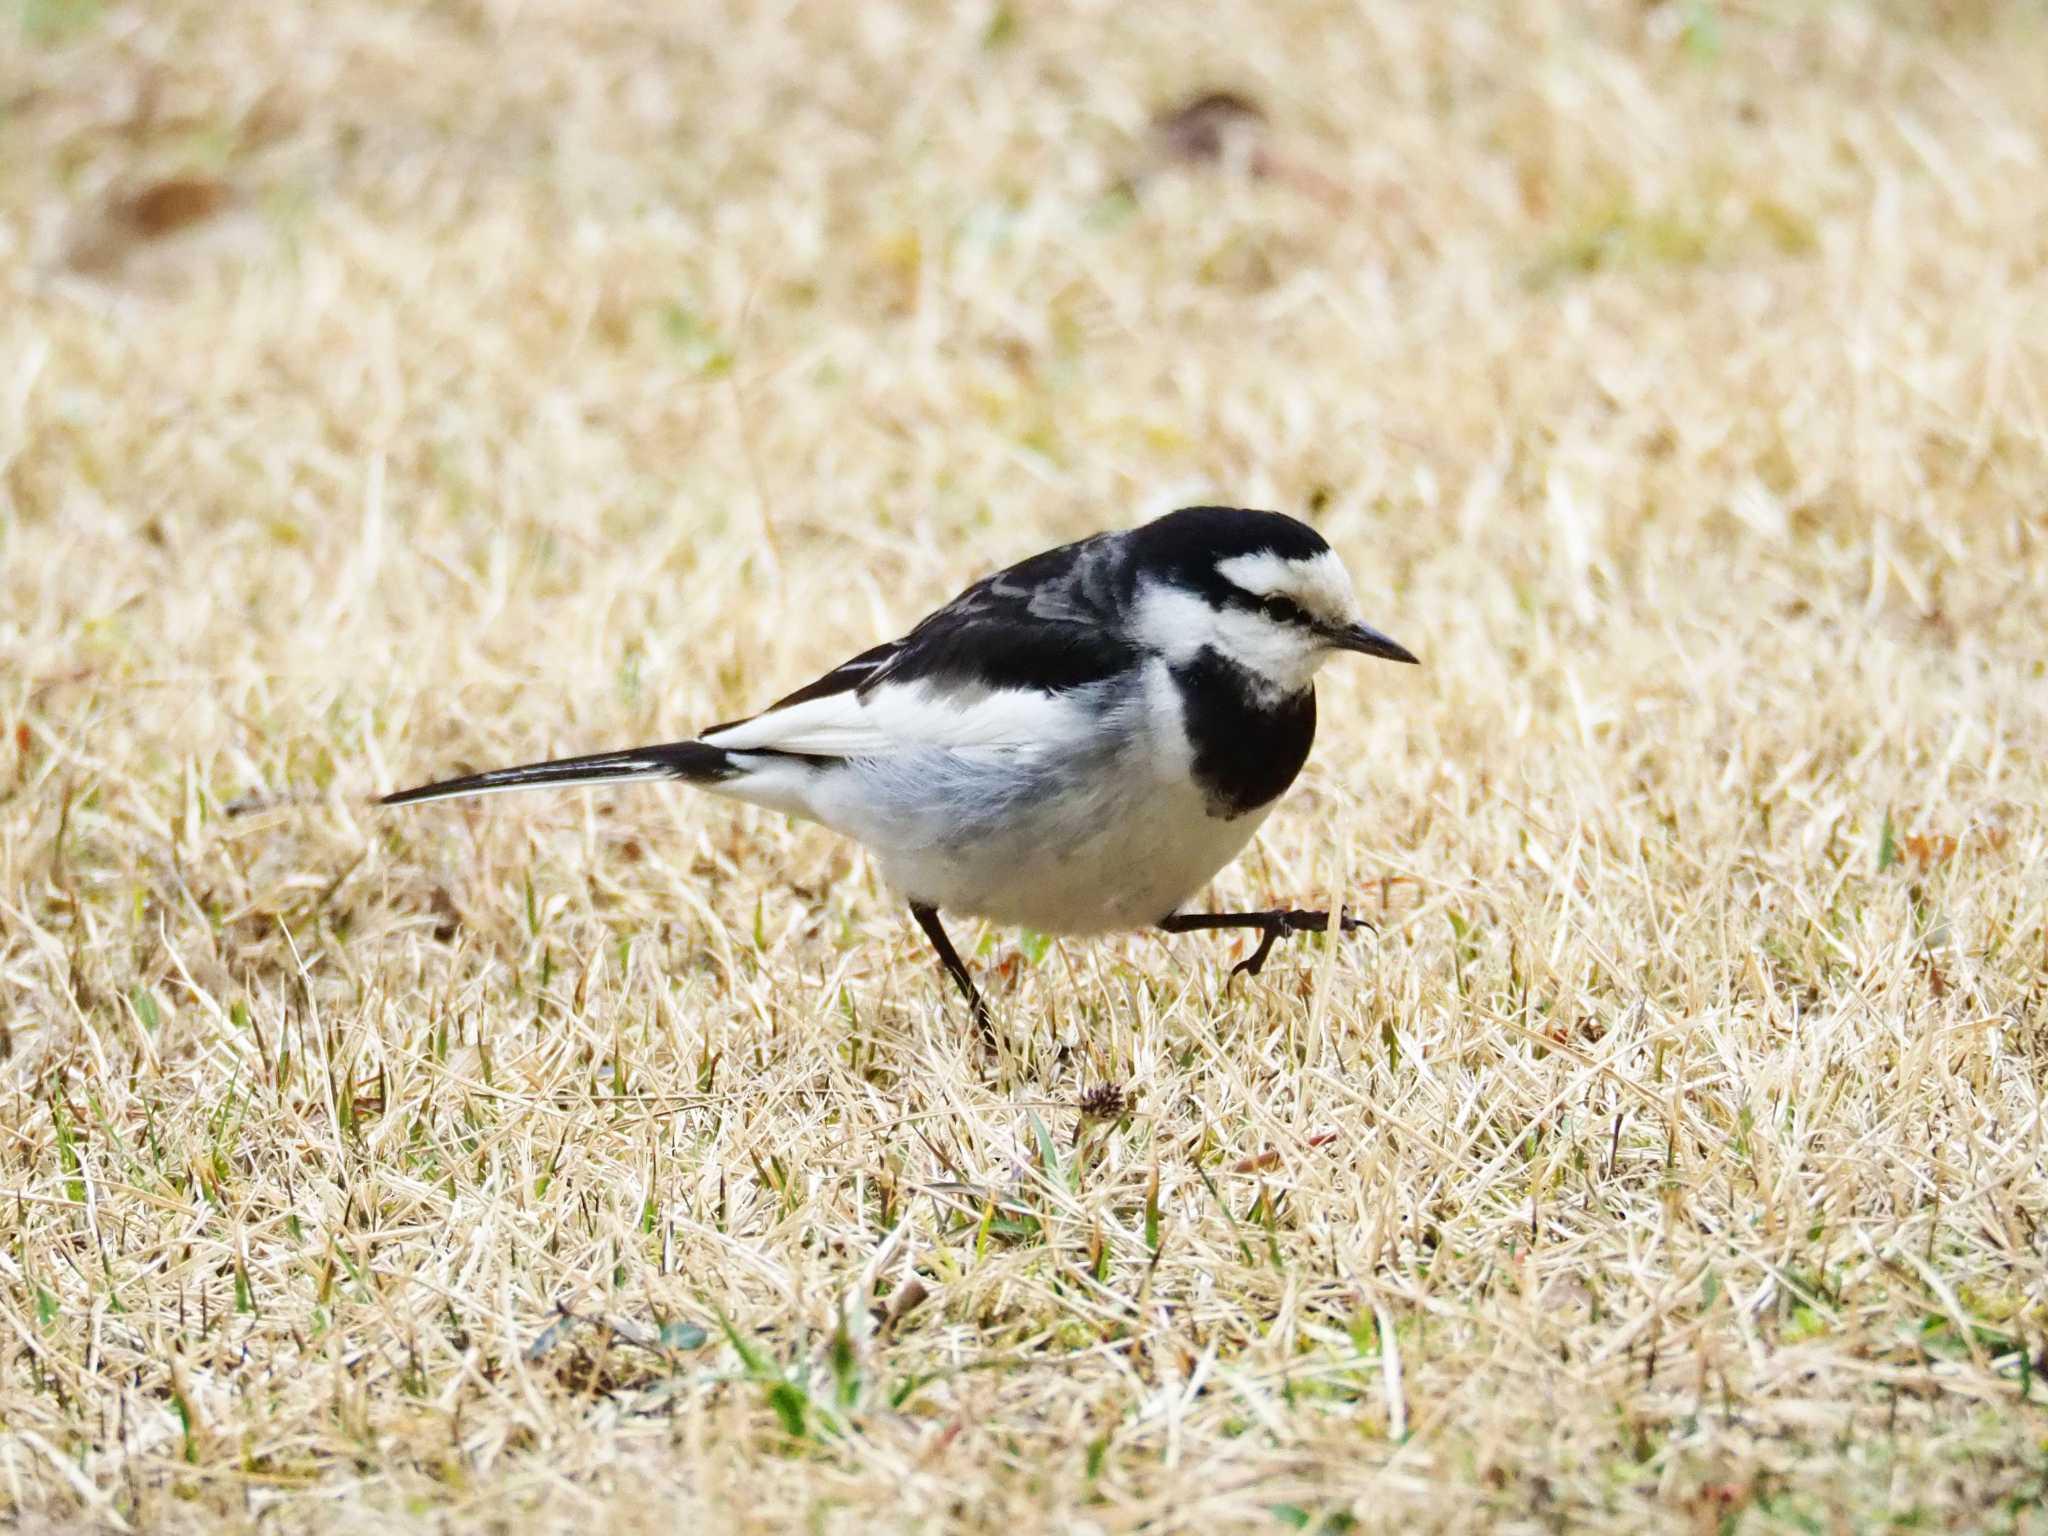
(1077, 864)
(1106, 829)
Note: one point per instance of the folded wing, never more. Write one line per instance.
(1007, 664)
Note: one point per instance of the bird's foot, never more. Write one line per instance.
(1275, 926)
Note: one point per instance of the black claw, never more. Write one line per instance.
(1253, 963)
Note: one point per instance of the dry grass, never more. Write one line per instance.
(385, 388)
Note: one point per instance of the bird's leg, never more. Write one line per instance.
(928, 920)
(1271, 925)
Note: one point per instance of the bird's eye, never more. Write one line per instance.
(1282, 610)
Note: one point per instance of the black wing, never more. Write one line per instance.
(1050, 623)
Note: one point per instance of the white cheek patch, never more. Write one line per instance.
(1279, 653)
(1174, 622)
(1179, 625)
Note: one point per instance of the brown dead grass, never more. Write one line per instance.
(493, 379)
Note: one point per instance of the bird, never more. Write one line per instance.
(1075, 745)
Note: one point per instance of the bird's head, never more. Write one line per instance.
(1258, 588)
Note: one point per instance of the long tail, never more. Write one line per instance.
(688, 760)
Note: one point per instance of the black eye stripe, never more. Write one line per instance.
(1283, 610)
(1276, 607)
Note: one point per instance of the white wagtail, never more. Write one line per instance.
(1074, 745)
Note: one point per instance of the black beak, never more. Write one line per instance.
(1367, 641)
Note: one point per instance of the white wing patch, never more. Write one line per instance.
(907, 717)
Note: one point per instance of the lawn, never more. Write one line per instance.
(390, 389)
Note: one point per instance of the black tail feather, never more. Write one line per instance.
(688, 760)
